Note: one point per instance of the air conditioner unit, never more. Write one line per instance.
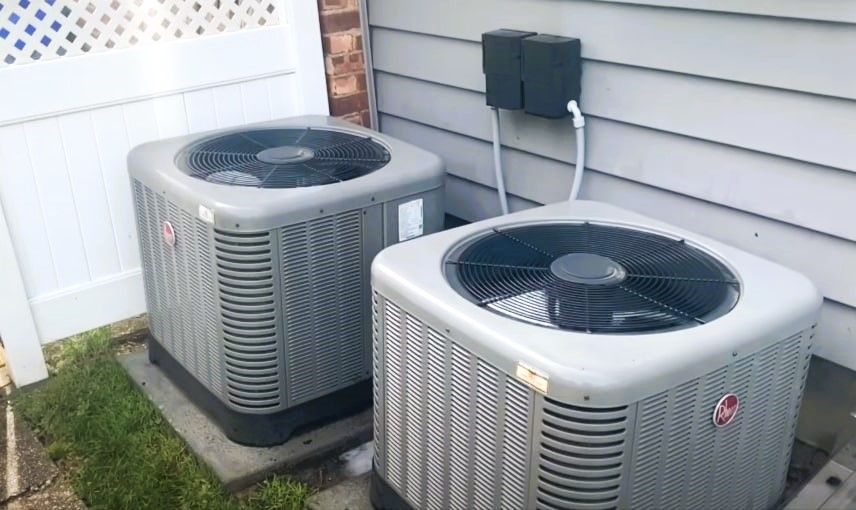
(256, 245)
(580, 356)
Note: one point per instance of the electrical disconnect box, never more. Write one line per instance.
(501, 62)
(552, 67)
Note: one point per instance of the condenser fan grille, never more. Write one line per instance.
(593, 278)
(282, 158)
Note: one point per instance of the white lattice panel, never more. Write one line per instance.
(32, 30)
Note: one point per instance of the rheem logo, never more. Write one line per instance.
(726, 410)
(168, 234)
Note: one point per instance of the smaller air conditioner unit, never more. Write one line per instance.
(256, 244)
(581, 356)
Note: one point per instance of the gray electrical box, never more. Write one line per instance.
(501, 62)
(552, 68)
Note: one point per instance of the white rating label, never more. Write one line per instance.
(206, 214)
(410, 220)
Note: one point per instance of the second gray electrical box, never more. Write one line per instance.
(552, 68)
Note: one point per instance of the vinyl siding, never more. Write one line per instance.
(736, 121)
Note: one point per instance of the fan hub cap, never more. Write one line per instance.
(286, 154)
(588, 268)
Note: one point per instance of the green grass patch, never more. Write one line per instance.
(119, 450)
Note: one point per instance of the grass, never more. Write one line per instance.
(120, 452)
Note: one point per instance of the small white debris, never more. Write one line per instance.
(359, 460)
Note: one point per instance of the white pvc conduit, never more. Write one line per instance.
(497, 161)
(579, 167)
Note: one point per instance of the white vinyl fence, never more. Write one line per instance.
(81, 82)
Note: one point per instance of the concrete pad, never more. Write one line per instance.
(239, 466)
(351, 494)
(351, 490)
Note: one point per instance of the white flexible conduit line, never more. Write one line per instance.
(579, 168)
(497, 162)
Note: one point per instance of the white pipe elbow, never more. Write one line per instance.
(574, 109)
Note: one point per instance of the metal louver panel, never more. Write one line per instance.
(325, 303)
(180, 286)
(739, 466)
(581, 456)
(249, 308)
(436, 445)
(486, 441)
(454, 430)
(393, 379)
(377, 382)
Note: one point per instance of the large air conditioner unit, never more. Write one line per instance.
(256, 245)
(580, 356)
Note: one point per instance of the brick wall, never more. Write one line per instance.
(343, 59)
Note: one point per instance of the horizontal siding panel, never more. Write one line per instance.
(836, 334)
(840, 11)
(471, 201)
(777, 52)
(802, 194)
(542, 180)
(800, 126)
(826, 260)
(457, 62)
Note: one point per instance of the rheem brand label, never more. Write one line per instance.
(726, 410)
(168, 234)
